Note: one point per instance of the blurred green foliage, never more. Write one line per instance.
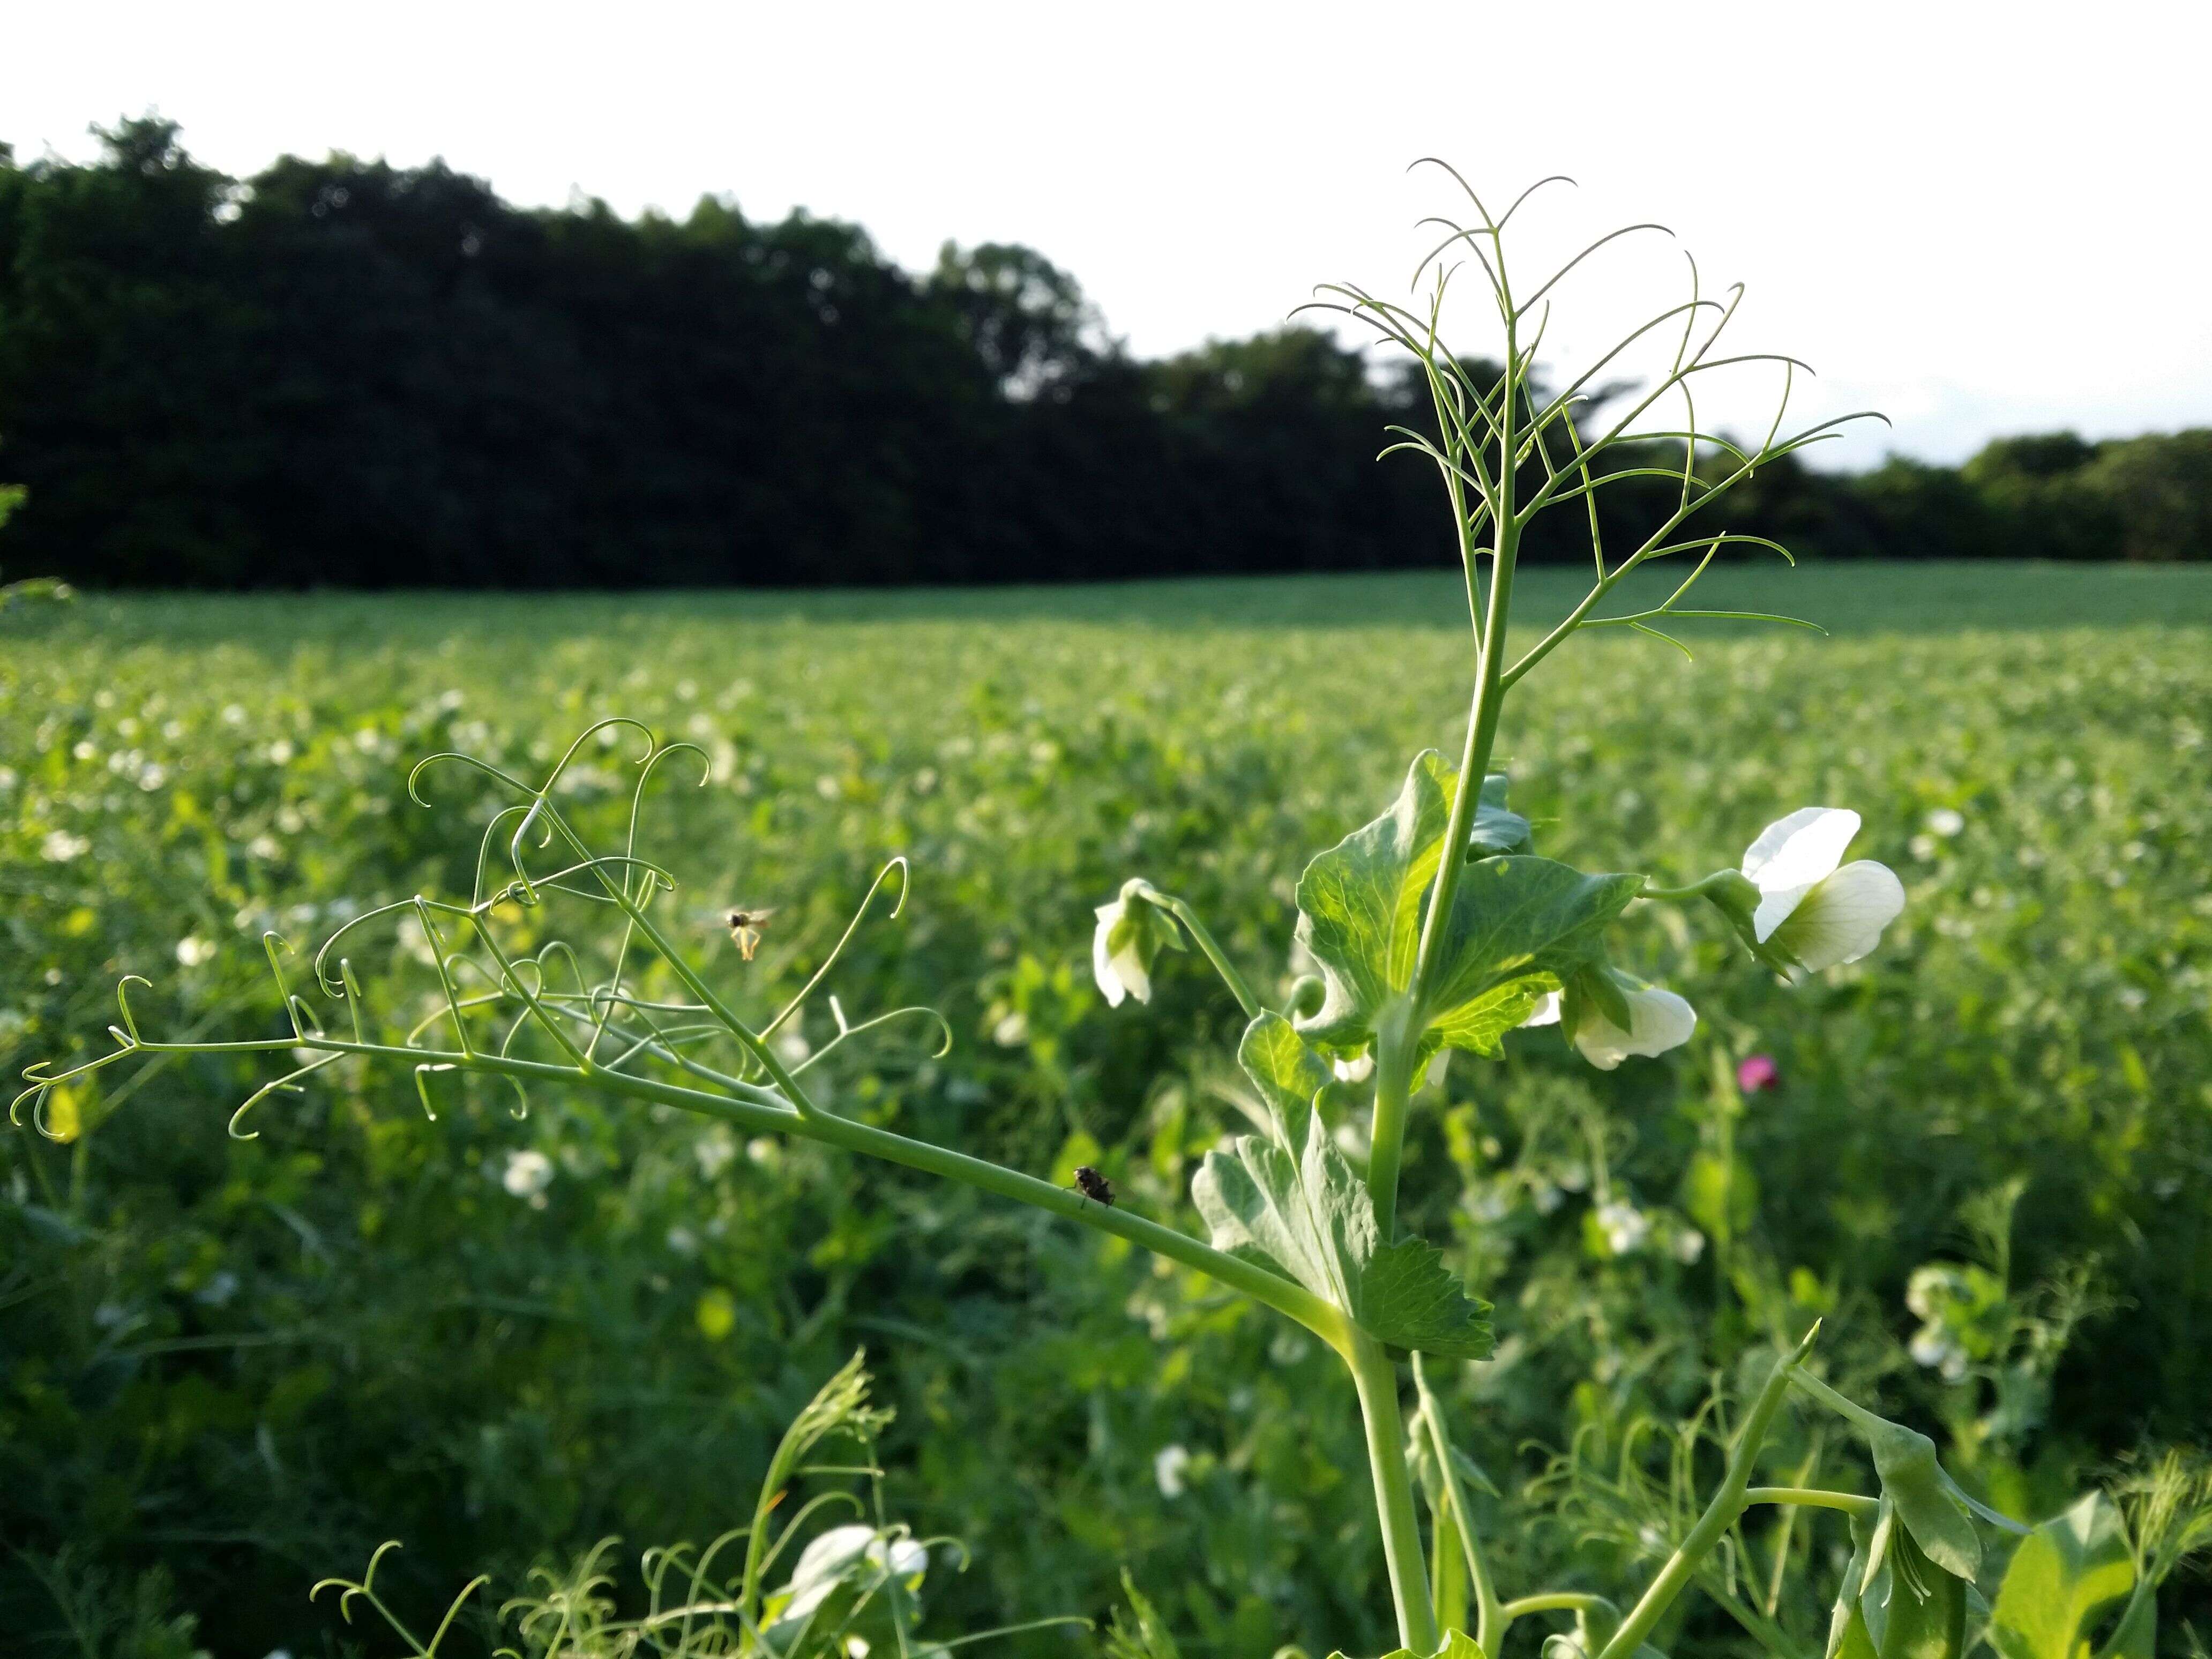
(228, 1369)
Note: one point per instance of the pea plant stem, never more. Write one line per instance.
(1376, 1380)
(1181, 910)
(763, 1111)
(1721, 1513)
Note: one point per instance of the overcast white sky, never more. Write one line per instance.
(1982, 219)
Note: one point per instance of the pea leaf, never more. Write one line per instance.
(1286, 1071)
(2067, 1573)
(1359, 904)
(1314, 1222)
(1518, 925)
(1926, 1500)
(1496, 829)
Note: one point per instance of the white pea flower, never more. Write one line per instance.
(1131, 932)
(1657, 1021)
(192, 949)
(60, 847)
(1167, 1469)
(1811, 912)
(844, 1554)
(528, 1174)
(1624, 1226)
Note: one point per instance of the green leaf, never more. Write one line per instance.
(2067, 1573)
(1912, 1608)
(1359, 904)
(1315, 1221)
(1496, 829)
(1518, 925)
(1926, 1500)
(1254, 1210)
(1286, 1071)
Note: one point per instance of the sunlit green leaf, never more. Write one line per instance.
(1315, 1221)
(2066, 1573)
(1518, 923)
(1284, 1069)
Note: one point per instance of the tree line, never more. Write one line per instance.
(341, 373)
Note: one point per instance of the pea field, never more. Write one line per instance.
(231, 1366)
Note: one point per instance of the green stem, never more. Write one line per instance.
(1489, 1612)
(1376, 1380)
(1813, 1497)
(1720, 1515)
(1181, 910)
(762, 1112)
(1553, 1601)
(1388, 1133)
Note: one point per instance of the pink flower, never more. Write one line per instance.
(1756, 1072)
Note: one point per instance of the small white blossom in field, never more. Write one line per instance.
(1689, 1246)
(1939, 1351)
(1657, 1021)
(1012, 1031)
(263, 847)
(1814, 913)
(1946, 822)
(60, 847)
(7, 778)
(528, 1174)
(1168, 1467)
(1624, 1226)
(192, 949)
(280, 752)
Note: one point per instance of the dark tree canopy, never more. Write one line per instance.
(342, 373)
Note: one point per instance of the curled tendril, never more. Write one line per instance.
(123, 1002)
(288, 1084)
(365, 1589)
(898, 905)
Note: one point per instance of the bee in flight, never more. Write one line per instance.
(745, 927)
(1091, 1184)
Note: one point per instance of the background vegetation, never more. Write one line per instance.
(343, 374)
(228, 1369)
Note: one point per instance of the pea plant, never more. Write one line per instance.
(1436, 928)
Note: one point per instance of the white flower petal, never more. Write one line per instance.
(1357, 1069)
(1657, 1020)
(1101, 961)
(1791, 856)
(1546, 1012)
(1128, 966)
(1841, 919)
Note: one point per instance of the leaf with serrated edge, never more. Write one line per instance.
(1314, 1222)
(1286, 1071)
(1518, 925)
(1359, 904)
